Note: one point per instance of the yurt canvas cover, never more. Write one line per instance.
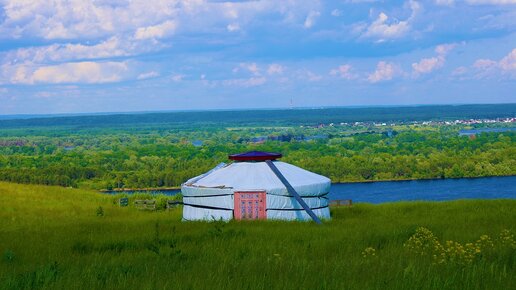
(212, 196)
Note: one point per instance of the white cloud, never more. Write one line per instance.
(385, 28)
(476, 2)
(488, 68)
(78, 72)
(310, 19)
(336, 13)
(305, 74)
(485, 64)
(250, 67)
(233, 27)
(444, 49)
(71, 19)
(461, 70)
(384, 71)
(508, 63)
(177, 77)
(112, 47)
(427, 65)
(343, 71)
(445, 2)
(492, 2)
(157, 31)
(147, 75)
(275, 69)
(250, 82)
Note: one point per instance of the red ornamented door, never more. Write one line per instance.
(250, 205)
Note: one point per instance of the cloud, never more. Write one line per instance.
(343, 71)
(488, 68)
(62, 19)
(445, 2)
(492, 2)
(112, 47)
(476, 2)
(427, 65)
(444, 49)
(386, 28)
(249, 82)
(508, 63)
(275, 69)
(306, 74)
(336, 13)
(147, 75)
(177, 77)
(250, 67)
(79, 72)
(461, 70)
(233, 27)
(384, 71)
(157, 31)
(310, 19)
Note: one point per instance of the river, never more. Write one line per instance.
(436, 189)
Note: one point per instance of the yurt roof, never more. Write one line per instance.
(258, 176)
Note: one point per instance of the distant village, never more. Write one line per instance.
(428, 123)
(388, 132)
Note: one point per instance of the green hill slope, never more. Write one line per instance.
(52, 238)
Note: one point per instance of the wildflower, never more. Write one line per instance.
(484, 242)
(507, 238)
(422, 242)
(369, 252)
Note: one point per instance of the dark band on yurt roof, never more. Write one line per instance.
(255, 156)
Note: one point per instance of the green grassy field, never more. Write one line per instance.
(53, 238)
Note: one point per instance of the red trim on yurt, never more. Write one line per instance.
(255, 156)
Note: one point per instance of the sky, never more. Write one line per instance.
(81, 56)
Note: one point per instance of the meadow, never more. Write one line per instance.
(63, 238)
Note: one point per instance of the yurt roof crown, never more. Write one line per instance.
(255, 156)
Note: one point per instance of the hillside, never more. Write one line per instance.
(53, 238)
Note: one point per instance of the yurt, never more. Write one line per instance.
(255, 185)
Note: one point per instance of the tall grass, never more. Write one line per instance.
(52, 238)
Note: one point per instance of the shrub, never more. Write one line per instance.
(99, 211)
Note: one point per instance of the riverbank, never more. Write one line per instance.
(146, 189)
(61, 238)
(176, 188)
(406, 190)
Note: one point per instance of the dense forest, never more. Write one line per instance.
(164, 155)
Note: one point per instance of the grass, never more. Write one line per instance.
(53, 238)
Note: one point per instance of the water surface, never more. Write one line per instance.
(439, 189)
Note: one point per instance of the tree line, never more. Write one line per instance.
(167, 158)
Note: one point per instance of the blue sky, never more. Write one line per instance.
(106, 56)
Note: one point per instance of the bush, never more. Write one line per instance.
(161, 199)
(99, 211)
